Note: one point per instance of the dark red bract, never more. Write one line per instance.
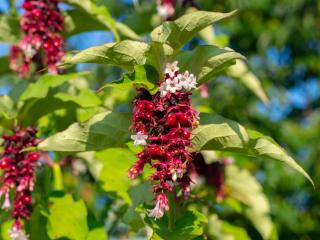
(18, 173)
(166, 119)
(42, 44)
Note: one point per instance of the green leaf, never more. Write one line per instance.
(41, 88)
(67, 218)
(7, 107)
(210, 60)
(114, 174)
(104, 130)
(37, 225)
(266, 147)
(180, 31)
(4, 65)
(218, 133)
(140, 194)
(101, 13)
(244, 187)
(9, 29)
(158, 55)
(144, 76)
(85, 99)
(188, 226)
(241, 72)
(124, 54)
(97, 234)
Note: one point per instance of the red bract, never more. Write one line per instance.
(18, 175)
(42, 44)
(163, 124)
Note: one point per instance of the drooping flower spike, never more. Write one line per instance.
(166, 8)
(162, 124)
(18, 177)
(42, 44)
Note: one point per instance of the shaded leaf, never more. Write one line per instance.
(144, 76)
(241, 72)
(85, 99)
(67, 218)
(244, 187)
(104, 130)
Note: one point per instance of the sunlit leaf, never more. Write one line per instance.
(104, 130)
(67, 218)
(180, 31)
(124, 54)
(207, 61)
(114, 173)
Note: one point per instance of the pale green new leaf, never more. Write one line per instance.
(41, 88)
(244, 187)
(124, 54)
(104, 130)
(144, 76)
(9, 29)
(114, 174)
(67, 218)
(180, 31)
(206, 61)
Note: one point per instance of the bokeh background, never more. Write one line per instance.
(281, 40)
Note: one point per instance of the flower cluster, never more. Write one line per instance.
(166, 8)
(18, 176)
(163, 124)
(42, 44)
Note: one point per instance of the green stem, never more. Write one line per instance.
(171, 222)
(57, 177)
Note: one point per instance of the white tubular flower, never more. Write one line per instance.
(187, 81)
(172, 85)
(6, 204)
(17, 234)
(171, 69)
(139, 139)
(163, 90)
(161, 206)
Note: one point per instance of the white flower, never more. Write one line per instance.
(187, 81)
(6, 204)
(171, 69)
(17, 234)
(139, 139)
(163, 90)
(157, 212)
(172, 85)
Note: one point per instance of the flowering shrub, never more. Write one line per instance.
(148, 169)
(42, 44)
